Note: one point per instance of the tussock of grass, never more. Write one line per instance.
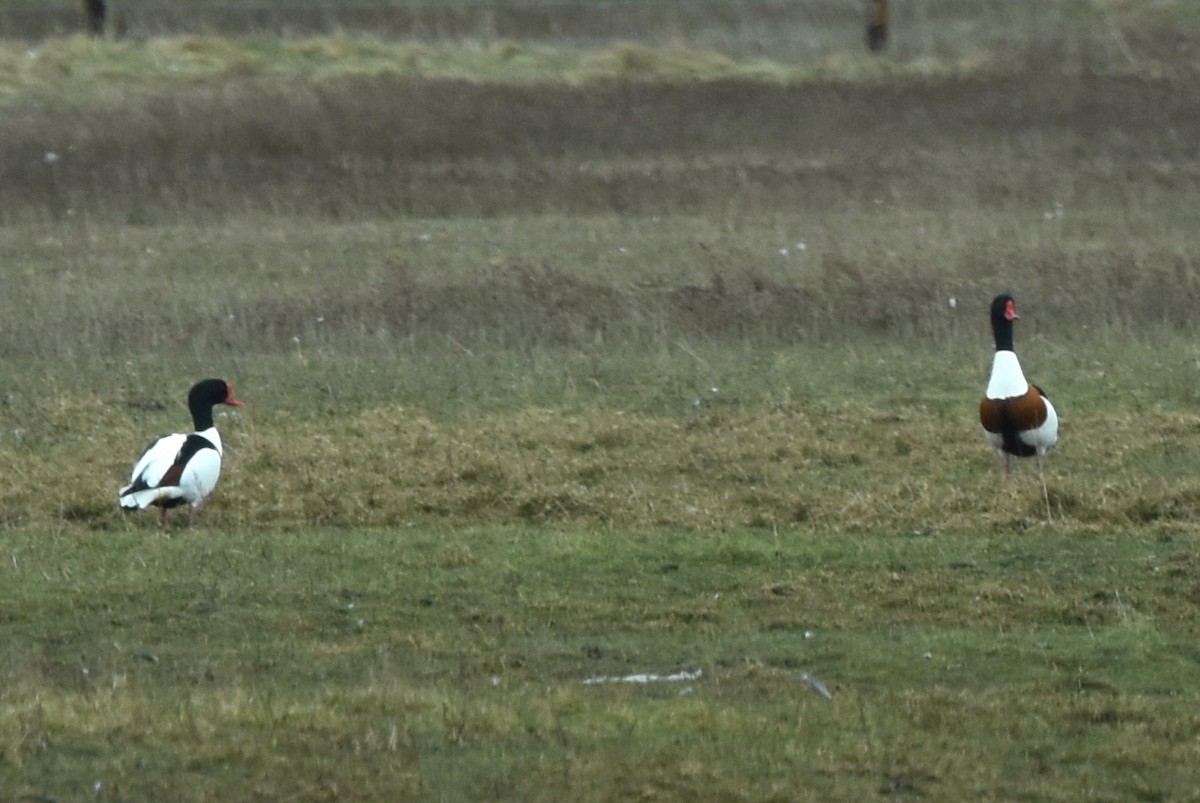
(837, 468)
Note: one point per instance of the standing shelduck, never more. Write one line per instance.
(1017, 417)
(180, 468)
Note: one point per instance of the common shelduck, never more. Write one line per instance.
(180, 468)
(1017, 417)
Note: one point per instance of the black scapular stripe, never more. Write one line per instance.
(191, 447)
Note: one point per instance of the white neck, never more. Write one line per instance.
(1007, 380)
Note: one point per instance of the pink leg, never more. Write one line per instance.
(1045, 491)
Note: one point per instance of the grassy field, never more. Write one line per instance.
(582, 347)
(934, 31)
(453, 663)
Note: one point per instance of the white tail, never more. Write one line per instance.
(140, 500)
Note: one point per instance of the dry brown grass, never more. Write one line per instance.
(662, 374)
(829, 467)
(449, 148)
(513, 215)
(593, 285)
(245, 217)
(242, 222)
(1083, 34)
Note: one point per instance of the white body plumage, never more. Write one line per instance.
(176, 469)
(1007, 381)
(182, 469)
(1007, 378)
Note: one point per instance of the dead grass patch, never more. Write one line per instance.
(836, 470)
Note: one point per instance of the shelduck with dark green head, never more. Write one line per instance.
(182, 468)
(1017, 417)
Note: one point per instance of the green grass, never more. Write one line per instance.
(585, 354)
(671, 41)
(427, 663)
(283, 649)
(79, 68)
(846, 439)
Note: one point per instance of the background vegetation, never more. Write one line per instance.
(587, 340)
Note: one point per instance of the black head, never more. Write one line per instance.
(1004, 312)
(205, 395)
